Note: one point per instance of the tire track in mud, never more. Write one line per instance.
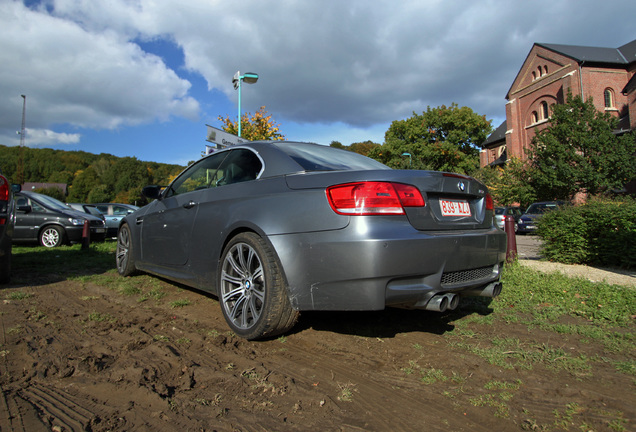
(61, 410)
(376, 394)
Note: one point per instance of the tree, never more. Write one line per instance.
(508, 185)
(259, 126)
(578, 152)
(441, 139)
(363, 148)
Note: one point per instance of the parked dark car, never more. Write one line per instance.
(274, 228)
(87, 208)
(114, 213)
(502, 212)
(52, 223)
(528, 221)
(90, 209)
(7, 222)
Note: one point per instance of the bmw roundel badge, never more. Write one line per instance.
(461, 186)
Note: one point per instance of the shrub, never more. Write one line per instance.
(601, 232)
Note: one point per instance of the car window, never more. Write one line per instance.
(325, 158)
(93, 210)
(241, 165)
(36, 207)
(201, 175)
(21, 201)
(220, 169)
(120, 210)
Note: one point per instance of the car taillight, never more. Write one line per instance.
(373, 198)
(489, 204)
(4, 189)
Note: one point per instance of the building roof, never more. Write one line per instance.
(621, 56)
(497, 136)
(30, 186)
(631, 86)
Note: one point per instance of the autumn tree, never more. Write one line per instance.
(441, 139)
(579, 152)
(259, 126)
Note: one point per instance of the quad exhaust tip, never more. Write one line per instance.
(450, 301)
(443, 302)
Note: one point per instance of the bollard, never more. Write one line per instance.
(511, 249)
(86, 234)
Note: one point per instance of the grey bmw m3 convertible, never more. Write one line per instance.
(274, 228)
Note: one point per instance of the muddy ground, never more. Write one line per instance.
(98, 354)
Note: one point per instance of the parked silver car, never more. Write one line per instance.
(114, 213)
(502, 212)
(274, 228)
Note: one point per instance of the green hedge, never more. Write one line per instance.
(601, 232)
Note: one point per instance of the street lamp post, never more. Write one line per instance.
(409, 155)
(249, 78)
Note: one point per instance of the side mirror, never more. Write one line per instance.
(16, 188)
(151, 192)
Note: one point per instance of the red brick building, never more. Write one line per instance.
(608, 75)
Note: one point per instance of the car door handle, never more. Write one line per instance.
(189, 205)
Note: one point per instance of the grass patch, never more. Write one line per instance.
(18, 295)
(100, 317)
(62, 262)
(548, 297)
(179, 303)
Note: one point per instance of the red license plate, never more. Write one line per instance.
(454, 207)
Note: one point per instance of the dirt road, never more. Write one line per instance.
(102, 356)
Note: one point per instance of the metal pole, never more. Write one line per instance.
(20, 173)
(239, 105)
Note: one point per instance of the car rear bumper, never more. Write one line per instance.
(368, 266)
(524, 228)
(74, 234)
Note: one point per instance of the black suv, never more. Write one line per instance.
(7, 221)
(51, 222)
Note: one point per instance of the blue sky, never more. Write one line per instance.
(143, 77)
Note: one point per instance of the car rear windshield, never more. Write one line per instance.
(315, 157)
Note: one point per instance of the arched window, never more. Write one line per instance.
(544, 111)
(540, 71)
(608, 94)
(534, 75)
(534, 117)
(545, 69)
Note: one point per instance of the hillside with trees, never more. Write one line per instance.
(90, 177)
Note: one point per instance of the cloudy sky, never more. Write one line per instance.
(143, 77)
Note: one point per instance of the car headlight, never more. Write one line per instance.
(76, 221)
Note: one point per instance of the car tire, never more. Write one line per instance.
(252, 289)
(124, 253)
(52, 236)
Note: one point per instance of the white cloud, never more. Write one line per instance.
(357, 62)
(45, 137)
(353, 66)
(96, 80)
